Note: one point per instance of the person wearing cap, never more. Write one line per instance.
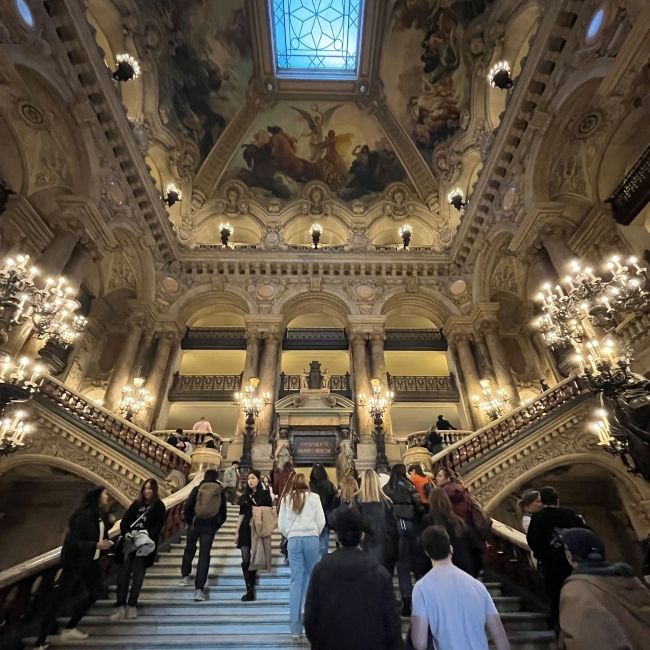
(350, 602)
(542, 537)
(602, 606)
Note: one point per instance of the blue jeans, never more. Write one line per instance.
(324, 541)
(303, 556)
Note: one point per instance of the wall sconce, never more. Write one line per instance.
(225, 230)
(457, 199)
(405, 232)
(499, 76)
(172, 195)
(315, 231)
(127, 68)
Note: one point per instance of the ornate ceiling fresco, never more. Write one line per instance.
(430, 50)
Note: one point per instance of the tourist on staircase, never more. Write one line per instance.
(527, 506)
(375, 507)
(350, 602)
(344, 500)
(266, 484)
(202, 425)
(467, 548)
(326, 490)
(602, 606)
(457, 493)
(140, 529)
(544, 540)
(84, 543)
(205, 511)
(231, 482)
(254, 495)
(301, 521)
(407, 511)
(454, 606)
(422, 483)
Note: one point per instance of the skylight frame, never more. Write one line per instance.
(278, 31)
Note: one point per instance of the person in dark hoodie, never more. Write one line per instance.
(325, 489)
(350, 601)
(146, 513)
(84, 543)
(602, 606)
(204, 512)
(543, 537)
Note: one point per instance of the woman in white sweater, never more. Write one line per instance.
(301, 521)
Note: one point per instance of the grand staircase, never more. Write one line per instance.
(169, 618)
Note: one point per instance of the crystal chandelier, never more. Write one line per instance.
(12, 433)
(52, 309)
(499, 76)
(376, 405)
(172, 195)
(249, 401)
(135, 398)
(127, 68)
(406, 232)
(225, 231)
(492, 403)
(315, 231)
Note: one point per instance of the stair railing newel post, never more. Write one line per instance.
(381, 462)
(246, 460)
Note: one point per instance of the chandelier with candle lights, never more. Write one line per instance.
(492, 403)
(135, 398)
(377, 405)
(585, 316)
(52, 308)
(19, 380)
(251, 405)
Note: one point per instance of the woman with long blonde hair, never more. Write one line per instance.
(301, 521)
(344, 500)
(376, 510)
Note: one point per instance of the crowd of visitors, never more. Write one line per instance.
(428, 531)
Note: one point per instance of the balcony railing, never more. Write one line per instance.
(474, 448)
(409, 339)
(633, 193)
(431, 388)
(339, 384)
(214, 338)
(315, 338)
(451, 437)
(191, 388)
(112, 428)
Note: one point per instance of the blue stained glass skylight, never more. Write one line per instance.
(317, 37)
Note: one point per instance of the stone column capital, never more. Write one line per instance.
(377, 337)
(358, 337)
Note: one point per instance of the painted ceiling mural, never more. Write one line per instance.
(296, 142)
(204, 71)
(426, 79)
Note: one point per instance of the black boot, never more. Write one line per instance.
(406, 606)
(250, 583)
(254, 578)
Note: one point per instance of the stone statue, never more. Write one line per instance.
(325, 379)
(304, 380)
(345, 460)
(283, 450)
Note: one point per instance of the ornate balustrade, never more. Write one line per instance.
(190, 388)
(410, 339)
(112, 428)
(451, 437)
(24, 588)
(196, 437)
(431, 388)
(633, 193)
(214, 338)
(460, 456)
(315, 338)
(339, 384)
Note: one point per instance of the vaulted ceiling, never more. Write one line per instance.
(270, 153)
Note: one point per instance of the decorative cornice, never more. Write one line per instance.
(26, 220)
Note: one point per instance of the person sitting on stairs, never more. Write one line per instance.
(205, 511)
(254, 495)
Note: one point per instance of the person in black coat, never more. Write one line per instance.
(201, 531)
(254, 495)
(350, 602)
(84, 543)
(543, 537)
(325, 489)
(147, 513)
(408, 510)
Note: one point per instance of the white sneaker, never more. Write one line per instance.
(295, 637)
(75, 634)
(119, 614)
(199, 595)
(185, 581)
(131, 612)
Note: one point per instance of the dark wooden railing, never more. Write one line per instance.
(414, 339)
(25, 587)
(339, 384)
(315, 338)
(427, 388)
(112, 428)
(214, 338)
(470, 450)
(189, 388)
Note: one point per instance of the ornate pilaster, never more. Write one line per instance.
(558, 250)
(269, 372)
(460, 342)
(502, 370)
(251, 367)
(361, 381)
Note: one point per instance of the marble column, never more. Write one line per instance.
(144, 358)
(269, 373)
(158, 375)
(77, 267)
(251, 369)
(378, 370)
(123, 366)
(559, 252)
(358, 344)
(470, 374)
(485, 364)
(502, 368)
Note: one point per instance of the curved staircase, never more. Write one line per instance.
(169, 618)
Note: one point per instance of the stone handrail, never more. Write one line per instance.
(27, 584)
(127, 435)
(449, 437)
(196, 437)
(460, 455)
